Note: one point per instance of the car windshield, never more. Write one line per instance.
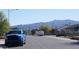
(14, 32)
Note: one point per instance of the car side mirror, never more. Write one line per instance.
(23, 33)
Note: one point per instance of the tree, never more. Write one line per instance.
(46, 28)
(53, 31)
(4, 24)
(33, 31)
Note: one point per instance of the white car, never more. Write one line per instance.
(40, 33)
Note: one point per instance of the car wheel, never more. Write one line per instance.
(5, 44)
(21, 44)
(8, 45)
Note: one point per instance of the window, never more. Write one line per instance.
(14, 32)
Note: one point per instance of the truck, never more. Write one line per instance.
(14, 38)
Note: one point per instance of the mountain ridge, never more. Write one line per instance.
(56, 24)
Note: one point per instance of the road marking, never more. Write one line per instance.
(59, 38)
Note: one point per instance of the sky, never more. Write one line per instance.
(29, 16)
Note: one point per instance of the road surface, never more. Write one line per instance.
(45, 42)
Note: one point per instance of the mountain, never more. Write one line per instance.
(57, 24)
(61, 23)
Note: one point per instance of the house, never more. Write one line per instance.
(70, 30)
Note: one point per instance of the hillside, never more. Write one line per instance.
(57, 24)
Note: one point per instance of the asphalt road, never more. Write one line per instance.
(45, 42)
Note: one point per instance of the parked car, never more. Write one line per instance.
(74, 38)
(14, 38)
(60, 34)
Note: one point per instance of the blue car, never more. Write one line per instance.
(14, 38)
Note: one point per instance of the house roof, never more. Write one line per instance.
(70, 27)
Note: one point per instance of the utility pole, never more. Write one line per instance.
(9, 14)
